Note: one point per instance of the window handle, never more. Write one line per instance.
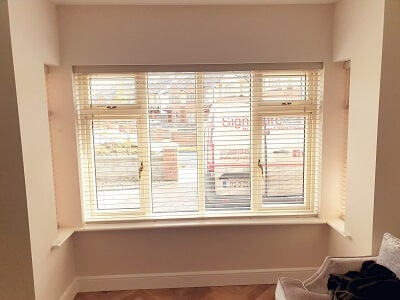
(261, 167)
(141, 169)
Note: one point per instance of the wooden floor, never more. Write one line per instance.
(245, 292)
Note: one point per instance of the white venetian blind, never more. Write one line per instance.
(174, 142)
(342, 204)
(189, 144)
(289, 110)
(108, 135)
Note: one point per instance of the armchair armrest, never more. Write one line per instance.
(293, 289)
(318, 281)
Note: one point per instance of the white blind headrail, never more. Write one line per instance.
(276, 67)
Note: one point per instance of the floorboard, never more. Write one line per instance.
(244, 292)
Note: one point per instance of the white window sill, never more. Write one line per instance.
(63, 235)
(338, 226)
(200, 223)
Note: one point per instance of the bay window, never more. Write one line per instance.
(187, 144)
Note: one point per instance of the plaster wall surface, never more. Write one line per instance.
(16, 276)
(34, 40)
(357, 36)
(162, 35)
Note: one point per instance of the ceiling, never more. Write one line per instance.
(189, 2)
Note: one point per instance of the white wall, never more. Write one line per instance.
(191, 34)
(135, 35)
(198, 249)
(16, 276)
(194, 34)
(34, 38)
(358, 33)
(387, 188)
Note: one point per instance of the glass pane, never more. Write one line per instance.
(173, 142)
(283, 144)
(227, 141)
(284, 87)
(112, 89)
(116, 164)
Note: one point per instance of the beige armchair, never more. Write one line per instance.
(315, 287)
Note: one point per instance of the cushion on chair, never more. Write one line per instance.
(389, 254)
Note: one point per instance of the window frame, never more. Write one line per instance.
(139, 112)
(312, 106)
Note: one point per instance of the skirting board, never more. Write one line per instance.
(187, 279)
(70, 292)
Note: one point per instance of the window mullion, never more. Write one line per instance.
(256, 133)
(144, 145)
(200, 140)
(315, 157)
(312, 130)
